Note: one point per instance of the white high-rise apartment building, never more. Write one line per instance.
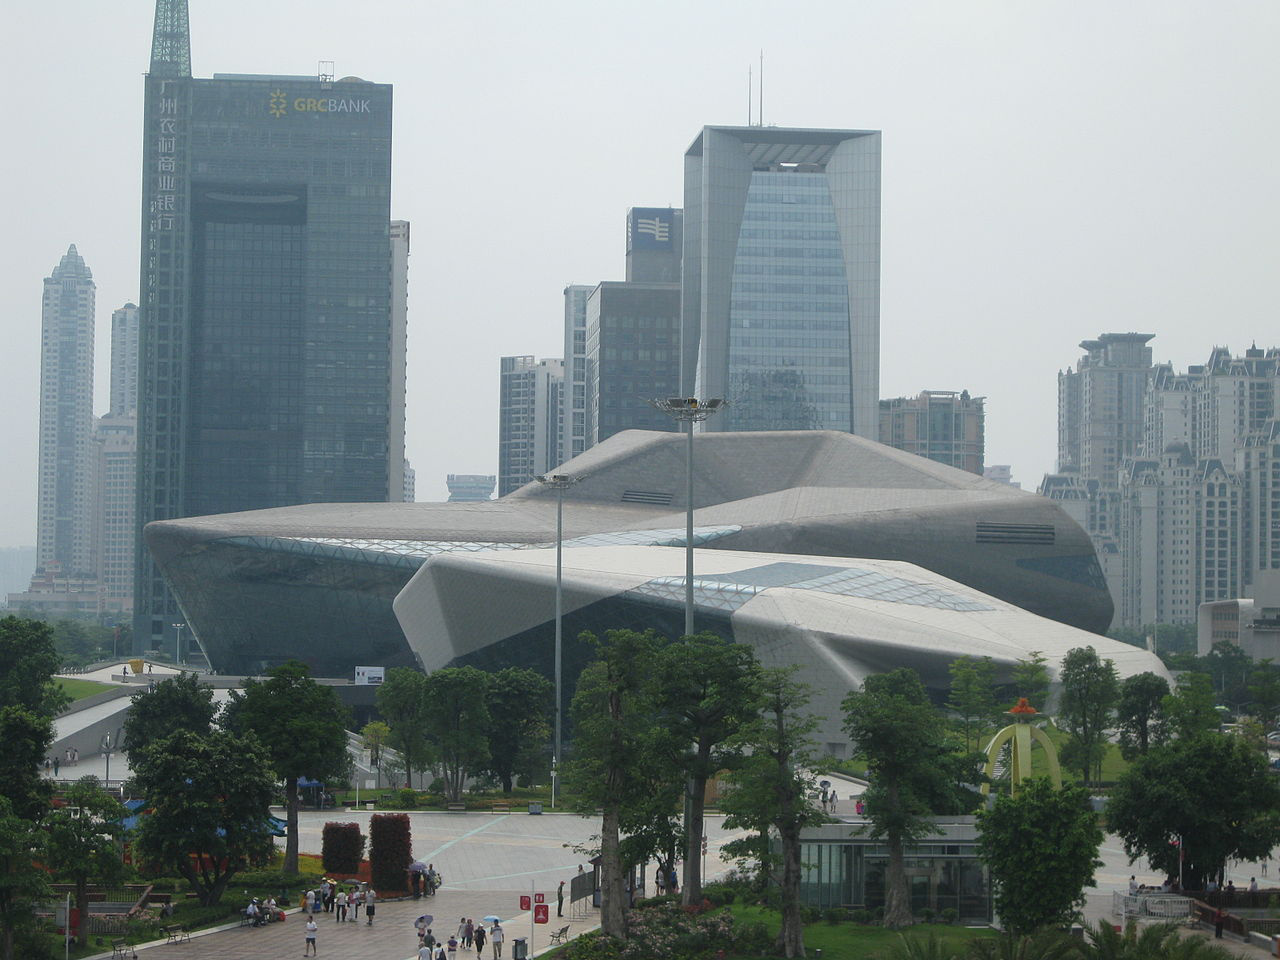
(574, 427)
(124, 360)
(529, 420)
(64, 536)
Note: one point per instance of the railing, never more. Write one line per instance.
(1151, 906)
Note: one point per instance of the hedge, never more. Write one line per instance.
(341, 847)
(390, 850)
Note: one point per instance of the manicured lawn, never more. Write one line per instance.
(79, 689)
(851, 941)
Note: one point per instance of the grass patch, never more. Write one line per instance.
(851, 941)
(79, 689)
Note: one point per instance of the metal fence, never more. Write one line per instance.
(1165, 907)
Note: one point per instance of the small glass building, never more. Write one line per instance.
(843, 867)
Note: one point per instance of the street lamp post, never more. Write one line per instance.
(177, 650)
(689, 410)
(558, 482)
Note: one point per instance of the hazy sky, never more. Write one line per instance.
(1051, 170)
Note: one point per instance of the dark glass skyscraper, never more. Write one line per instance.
(265, 341)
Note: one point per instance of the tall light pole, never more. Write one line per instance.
(177, 650)
(560, 483)
(689, 410)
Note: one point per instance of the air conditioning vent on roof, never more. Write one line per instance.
(647, 496)
(1038, 533)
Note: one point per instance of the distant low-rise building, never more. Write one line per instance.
(939, 424)
(470, 487)
(1252, 623)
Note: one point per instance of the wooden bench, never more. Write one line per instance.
(121, 950)
(176, 934)
(502, 808)
(560, 935)
(456, 807)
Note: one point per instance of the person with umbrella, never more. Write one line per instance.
(422, 925)
(416, 870)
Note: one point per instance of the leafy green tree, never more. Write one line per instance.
(1264, 691)
(1157, 941)
(26, 736)
(973, 696)
(1140, 712)
(1090, 690)
(181, 702)
(1211, 791)
(84, 842)
(1041, 846)
(402, 701)
(208, 807)
(1189, 711)
(23, 883)
(613, 714)
(1229, 666)
(375, 735)
(28, 662)
(521, 704)
(303, 726)
(1041, 945)
(898, 731)
(457, 718)
(706, 690)
(1031, 679)
(773, 786)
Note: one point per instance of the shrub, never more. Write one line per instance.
(390, 850)
(834, 915)
(950, 915)
(877, 915)
(592, 946)
(810, 915)
(406, 798)
(860, 916)
(926, 914)
(753, 937)
(341, 847)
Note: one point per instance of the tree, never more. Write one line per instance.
(26, 736)
(1229, 666)
(1210, 792)
(1158, 940)
(303, 726)
(612, 713)
(706, 690)
(973, 697)
(773, 785)
(1139, 714)
(521, 703)
(457, 718)
(178, 703)
(84, 842)
(28, 662)
(1031, 679)
(1189, 711)
(1041, 846)
(208, 807)
(1090, 689)
(1264, 691)
(375, 736)
(23, 883)
(896, 728)
(402, 701)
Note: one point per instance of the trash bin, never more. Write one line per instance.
(535, 806)
(520, 948)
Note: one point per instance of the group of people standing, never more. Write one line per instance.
(343, 903)
(469, 934)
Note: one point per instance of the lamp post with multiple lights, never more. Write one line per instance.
(559, 483)
(689, 410)
(177, 646)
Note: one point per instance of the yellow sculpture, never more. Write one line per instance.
(1019, 736)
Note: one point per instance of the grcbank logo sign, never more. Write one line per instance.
(280, 104)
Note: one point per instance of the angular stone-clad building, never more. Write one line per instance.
(317, 581)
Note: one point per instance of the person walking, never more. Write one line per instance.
(479, 938)
(340, 907)
(462, 929)
(1219, 917)
(310, 943)
(453, 948)
(370, 902)
(468, 933)
(310, 902)
(560, 899)
(354, 900)
(496, 936)
(425, 952)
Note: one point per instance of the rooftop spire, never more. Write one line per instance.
(171, 40)
(72, 265)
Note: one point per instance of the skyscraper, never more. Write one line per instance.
(781, 277)
(574, 428)
(266, 367)
(64, 535)
(399, 481)
(942, 425)
(124, 360)
(1101, 406)
(529, 411)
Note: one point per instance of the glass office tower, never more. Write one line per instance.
(265, 369)
(781, 298)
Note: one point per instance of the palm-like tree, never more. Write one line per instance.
(1159, 941)
(1041, 945)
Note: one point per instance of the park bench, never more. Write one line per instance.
(502, 808)
(175, 934)
(560, 935)
(122, 950)
(456, 807)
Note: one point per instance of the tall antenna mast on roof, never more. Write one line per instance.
(762, 86)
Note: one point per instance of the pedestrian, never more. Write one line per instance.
(453, 948)
(354, 899)
(57, 762)
(425, 952)
(496, 936)
(1264, 868)
(311, 902)
(415, 881)
(468, 933)
(311, 929)
(660, 879)
(428, 939)
(1253, 884)
(420, 925)
(326, 898)
(479, 938)
(370, 901)
(1230, 892)
(340, 907)
(560, 899)
(1219, 917)
(673, 882)
(462, 928)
